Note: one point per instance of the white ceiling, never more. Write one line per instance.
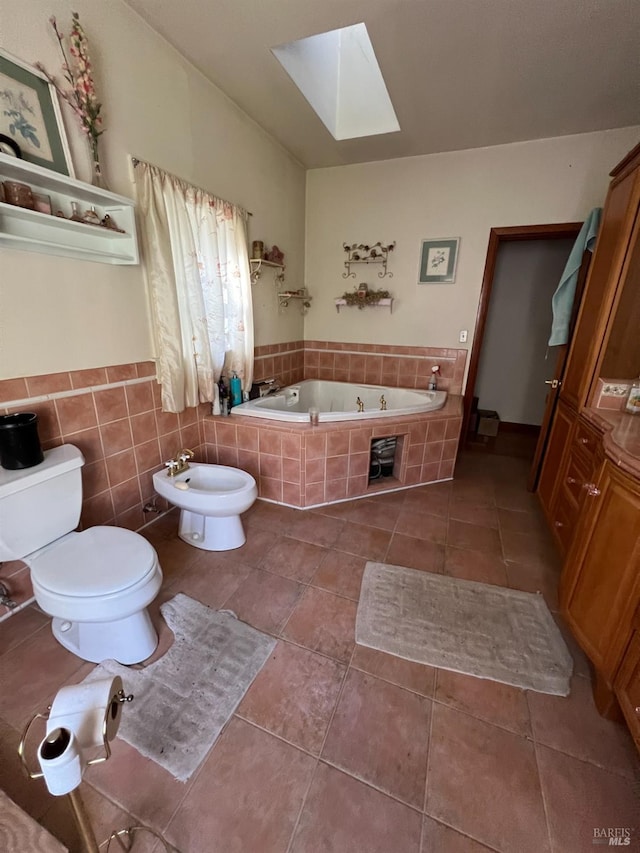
(460, 73)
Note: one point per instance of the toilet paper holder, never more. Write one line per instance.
(108, 724)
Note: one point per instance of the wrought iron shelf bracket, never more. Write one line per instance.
(360, 253)
(257, 265)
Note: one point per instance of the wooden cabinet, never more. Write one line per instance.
(603, 282)
(627, 686)
(600, 582)
(569, 469)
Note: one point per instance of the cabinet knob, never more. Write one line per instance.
(591, 489)
(558, 524)
(571, 480)
(637, 710)
(584, 441)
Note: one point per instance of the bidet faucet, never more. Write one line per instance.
(180, 462)
(360, 405)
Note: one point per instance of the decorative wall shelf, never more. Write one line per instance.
(257, 265)
(363, 254)
(305, 300)
(381, 303)
(33, 231)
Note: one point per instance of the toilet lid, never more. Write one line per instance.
(98, 561)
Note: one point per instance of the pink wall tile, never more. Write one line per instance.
(147, 455)
(13, 389)
(120, 372)
(88, 442)
(76, 413)
(415, 454)
(88, 378)
(94, 479)
(120, 466)
(358, 464)
(336, 490)
(168, 421)
(125, 495)
(228, 456)
(226, 433)
(314, 494)
(291, 446)
(437, 430)
(314, 470)
(248, 460)
(430, 472)
(270, 465)
(316, 446)
(291, 470)
(270, 441)
(291, 494)
(271, 489)
(50, 383)
(337, 442)
(140, 398)
(360, 440)
(450, 449)
(111, 404)
(433, 452)
(97, 510)
(144, 427)
(190, 436)
(116, 436)
(446, 469)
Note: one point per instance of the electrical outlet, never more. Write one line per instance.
(463, 336)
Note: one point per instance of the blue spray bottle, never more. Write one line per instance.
(236, 390)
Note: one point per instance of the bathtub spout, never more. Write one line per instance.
(360, 405)
(383, 404)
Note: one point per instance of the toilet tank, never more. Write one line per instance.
(40, 504)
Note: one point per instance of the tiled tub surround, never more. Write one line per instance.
(371, 364)
(113, 415)
(303, 466)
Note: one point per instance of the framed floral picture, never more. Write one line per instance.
(438, 261)
(30, 115)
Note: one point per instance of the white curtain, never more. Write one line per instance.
(195, 248)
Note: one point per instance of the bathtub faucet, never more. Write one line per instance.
(360, 405)
(180, 462)
(383, 404)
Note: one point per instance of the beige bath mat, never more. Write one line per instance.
(474, 628)
(183, 700)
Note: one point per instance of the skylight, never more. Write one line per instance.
(339, 75)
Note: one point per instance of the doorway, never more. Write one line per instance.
(511, 370)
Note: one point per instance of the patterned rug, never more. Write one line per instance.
(183, 700)
(474, 628)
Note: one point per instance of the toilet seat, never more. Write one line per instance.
(101, 574)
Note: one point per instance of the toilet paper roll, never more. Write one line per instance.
(61, 762)
(89, 710)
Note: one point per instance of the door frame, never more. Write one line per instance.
(498, 236)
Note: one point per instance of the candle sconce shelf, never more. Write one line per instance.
(360, 253)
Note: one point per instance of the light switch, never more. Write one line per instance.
(463, 336)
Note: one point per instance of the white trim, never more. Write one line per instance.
(76, 392)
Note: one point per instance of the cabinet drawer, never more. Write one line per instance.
(578, 475)
(586, 440)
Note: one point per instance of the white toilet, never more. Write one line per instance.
(211, 498)
(96, 584)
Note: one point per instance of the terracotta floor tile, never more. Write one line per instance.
(273, 517)
(324, 623)
(415, 553)
(376, 513)
(254, 549)
(475, 490)
(265, 600)
(474, 513)
(138, 785)
(432, 500)
(48, 665)
(293, 559)
(475, 537)
(211, 581)
(340, 573)
(521, 522)
(380, 733)
(515, 497)
(30, 794)
(532, 578)
(438, 838)
(315, 528)
(343, 814)
(247, 796)
(422, 526)
(363, 541)
(294, 695)
(581, 664)
(483, 781)
(535, 550)
(176, 557)
(572, 724)
(475, 566)
(580, 797)
(497, 703)
(405, 673)
(20, 626)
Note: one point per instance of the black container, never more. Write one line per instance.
(19, 442)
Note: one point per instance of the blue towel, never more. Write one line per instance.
(562, 301)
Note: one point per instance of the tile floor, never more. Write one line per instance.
(341, 748)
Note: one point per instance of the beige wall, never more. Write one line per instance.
(460, 194)
(59, 314)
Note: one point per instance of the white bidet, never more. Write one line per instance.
(211, 499)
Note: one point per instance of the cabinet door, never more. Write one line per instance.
(600, 583)
(627, 687)
(615, 232)
(557, 451)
